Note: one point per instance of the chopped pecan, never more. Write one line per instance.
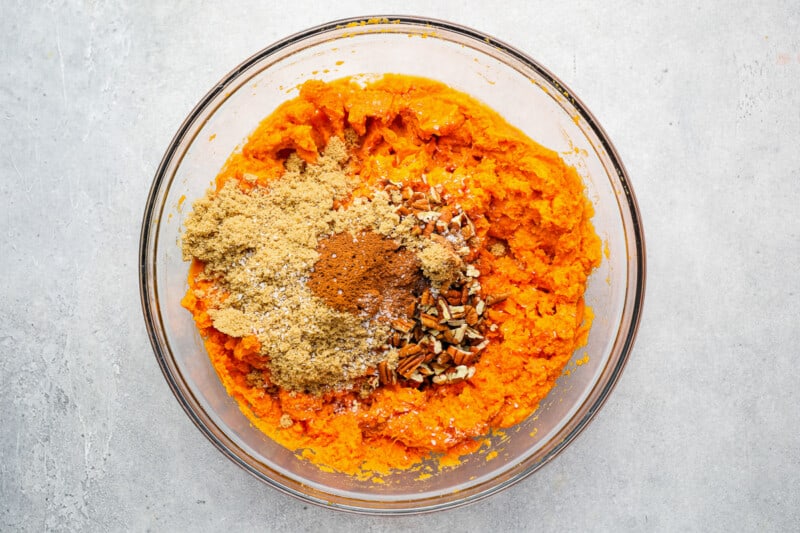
(425, 370)
(430, 321)
(453, 296)
(426, 299)
(394, 340)
(479, 347)
(446, 214)
(386, 374)
(443, 334)
(461, 357)
(496, 298)
(409, 349)
(444, 310)
(454, 374)
(437, 368)
(407, 366)
(459, 332)
(471, 315)
(403, 325)
(472, 333)
(422, 204)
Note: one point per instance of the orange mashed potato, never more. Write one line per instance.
(522, 197)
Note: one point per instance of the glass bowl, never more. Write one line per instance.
(529, 97)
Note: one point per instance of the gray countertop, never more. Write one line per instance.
(703, 103)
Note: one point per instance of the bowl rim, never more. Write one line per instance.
(148, 281)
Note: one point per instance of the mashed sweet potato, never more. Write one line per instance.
(536, 244)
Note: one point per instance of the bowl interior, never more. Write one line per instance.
(529, 98)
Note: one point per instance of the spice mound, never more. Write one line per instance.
(388, 272)
(365, 274)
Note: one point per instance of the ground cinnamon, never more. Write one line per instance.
(366, 274)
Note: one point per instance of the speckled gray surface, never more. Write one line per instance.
(701, 433)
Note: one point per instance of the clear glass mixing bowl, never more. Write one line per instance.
(529, 97)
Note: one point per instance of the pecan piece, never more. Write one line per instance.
(461, 357)
(446, 214)
(403, 325)
(496, 298)
(407, 366)
(425, 370)
(453, 296)
(454, 375)
(457, 312)
(457, 334)
(431, 322)
(444, 310)
(473, 334)
(471, 315)
(479, 348)
(409, 350)
(385, 374)
(426, 299)
(437, 368)
(422, 204)
(468, 229)
(465, 292)
(437, 346)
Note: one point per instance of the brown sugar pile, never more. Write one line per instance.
(260, 248)
(440, 262)
(366, 274)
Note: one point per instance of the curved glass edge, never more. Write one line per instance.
(592, 404)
